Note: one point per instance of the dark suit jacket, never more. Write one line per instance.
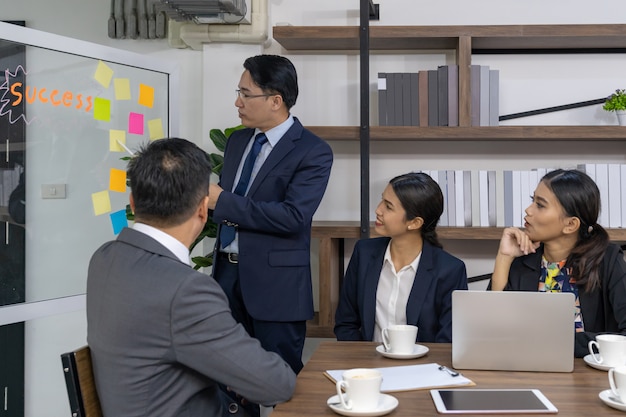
(603, 310)
(430, 303)
(274, 222)
(162, 336)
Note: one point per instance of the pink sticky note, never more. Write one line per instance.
(135, 123)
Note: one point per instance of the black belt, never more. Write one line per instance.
(233, 258)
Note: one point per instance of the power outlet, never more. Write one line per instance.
(52, 191)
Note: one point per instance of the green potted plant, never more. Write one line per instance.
(219, 139)
(617, 102)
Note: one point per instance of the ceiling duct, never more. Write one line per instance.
(205, 11)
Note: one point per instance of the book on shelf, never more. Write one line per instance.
(442, 91)
(602, 181)
(615, 195)
(423, 97)
(499, 198)
(483, 190)
(518, 212)
(491, 183)
(459, 198)
(433, 98)
(494, 97)
(467, 198)
(391, 101)
(398, 92)
(475, 95)
(406, 99)
(475, 198)
(443, 184)
(382, 99)
(414, 100)
(484, 96)
(508, 197)
(453, 95)
(451, 187)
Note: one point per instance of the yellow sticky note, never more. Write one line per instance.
(155, 129)
(101, 202)
(117, 180)
(102, 109)
(115, 138)
(146, 95)
(122, 88)
(103, 74)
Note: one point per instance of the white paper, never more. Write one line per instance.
(412, 377)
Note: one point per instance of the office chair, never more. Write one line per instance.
(81, 388)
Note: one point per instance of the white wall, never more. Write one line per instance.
(330, 94)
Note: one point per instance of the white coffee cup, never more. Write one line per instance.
(611, 349)
(617, 381)
(400, 338)
(362, 388)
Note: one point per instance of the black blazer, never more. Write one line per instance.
(603, 310)
(430, 303)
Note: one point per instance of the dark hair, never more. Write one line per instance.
(420, 196)
(274, 74)
(579, 196)
(168, 179)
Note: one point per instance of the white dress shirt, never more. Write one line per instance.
(392, 293)
(173, 245)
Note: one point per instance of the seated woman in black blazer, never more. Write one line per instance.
(404, 277)
(562, 248)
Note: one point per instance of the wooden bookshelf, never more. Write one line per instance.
(464, 41)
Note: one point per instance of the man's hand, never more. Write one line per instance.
(214, 193)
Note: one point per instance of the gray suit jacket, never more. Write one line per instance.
(162, 337)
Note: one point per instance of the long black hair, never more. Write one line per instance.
(420, 196)
(579, 196)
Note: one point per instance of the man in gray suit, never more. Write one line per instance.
(161, 334)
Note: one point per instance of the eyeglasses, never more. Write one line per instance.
(245, 96)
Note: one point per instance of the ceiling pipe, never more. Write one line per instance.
(183, 35)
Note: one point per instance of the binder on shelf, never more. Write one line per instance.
(491, 182)
(391, 102)
(453, 95)
(398, 92)
(499, 198)
(602, 181)
(475, 198)
(615, 195)
(414, 99)
(442, 89)
(451, 187)
(475, 95)
(459, 197)
(423, 97)
(382, 99)
(623, 192)
(443, 184)
(525, 193)
(406, 99)
(484, 95)
(483, 190)
(467, 198)
(433, 98)
(518, 211)
(494, 97)
(508, 198)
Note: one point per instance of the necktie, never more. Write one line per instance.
(227, 233)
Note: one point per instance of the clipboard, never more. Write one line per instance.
(412, 377)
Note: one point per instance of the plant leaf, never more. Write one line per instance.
(229, 131)
(218, 138)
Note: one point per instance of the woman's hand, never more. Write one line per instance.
(515, 242)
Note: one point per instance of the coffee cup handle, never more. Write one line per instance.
(612, 382)
(386, 343)
(598, 358)
(347, 405)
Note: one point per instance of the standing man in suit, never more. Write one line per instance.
(161, 334)
(262, 254)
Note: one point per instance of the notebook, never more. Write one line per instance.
(513, 331)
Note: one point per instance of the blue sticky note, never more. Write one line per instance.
(118, 221)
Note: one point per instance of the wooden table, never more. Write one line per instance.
(573, 394)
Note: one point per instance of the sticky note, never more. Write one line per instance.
(146, 95)
(102, 109)
(155, 129)
(103, 74)
(117, 180)
(122, 88)
(135, 123)
(117, 137)
(118, 221)
(101, 202)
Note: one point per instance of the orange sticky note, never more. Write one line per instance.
(117, 180)
(115, 138)
(103, 74)
(146, 95)
(101, 202)
(122, 88)
(155, 129)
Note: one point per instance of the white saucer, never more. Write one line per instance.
(418, 351)
(589, 361)
(609, 399)
(386, 405)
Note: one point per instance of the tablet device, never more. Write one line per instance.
(491, 401)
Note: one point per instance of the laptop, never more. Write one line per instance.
(513, 331)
